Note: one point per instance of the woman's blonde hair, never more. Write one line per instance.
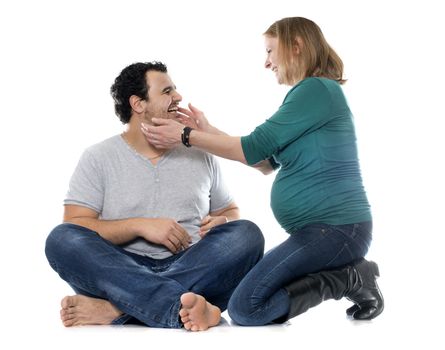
(316, 58)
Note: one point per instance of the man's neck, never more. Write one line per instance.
(136, 139)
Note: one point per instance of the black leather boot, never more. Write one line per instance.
(356, 282)
(367, 299)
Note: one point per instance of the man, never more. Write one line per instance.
(149, 235)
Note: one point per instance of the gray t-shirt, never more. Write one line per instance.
(114, 180)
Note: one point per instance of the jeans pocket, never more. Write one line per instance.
(348, 231)
(344, 256)
(358, 236)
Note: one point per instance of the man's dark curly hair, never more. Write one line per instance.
(131, 81)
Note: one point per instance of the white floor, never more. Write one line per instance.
(323, 328)
(408, 249)
(30, 319)
(55, 102)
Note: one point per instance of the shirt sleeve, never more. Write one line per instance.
(86, 186)
(220, 196)
(305, 109)
(273, 163)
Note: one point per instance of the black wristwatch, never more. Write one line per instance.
(185, 136)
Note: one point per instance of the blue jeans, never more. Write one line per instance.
(149, 290)
(261, 298)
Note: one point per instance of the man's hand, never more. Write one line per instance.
(166, 232)
(211, 221)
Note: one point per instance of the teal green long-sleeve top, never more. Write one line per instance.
(312, 139)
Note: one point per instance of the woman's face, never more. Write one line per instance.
(271, 63)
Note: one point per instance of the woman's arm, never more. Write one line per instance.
(167, 134)
(264, 166)
(221, 145)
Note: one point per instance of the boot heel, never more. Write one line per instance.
(374, 268)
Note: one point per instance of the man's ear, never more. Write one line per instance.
(137, 103)
(298, 45)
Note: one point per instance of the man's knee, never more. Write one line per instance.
(249, 235)
(63, 240)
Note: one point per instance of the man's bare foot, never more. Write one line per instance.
(197, 314)
(81, 310)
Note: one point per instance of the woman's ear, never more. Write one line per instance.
(137, 103)
(298, 45)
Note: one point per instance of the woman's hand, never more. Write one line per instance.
(211, 221)
(166, 134)
(193, 118)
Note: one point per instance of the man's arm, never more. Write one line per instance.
(219, 217)
(160, 230)
(231, 212)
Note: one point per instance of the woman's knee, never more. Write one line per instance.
(241, 310)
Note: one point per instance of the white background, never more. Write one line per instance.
(58, 60)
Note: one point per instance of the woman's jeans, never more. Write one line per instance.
(149, 290)
(261, 298)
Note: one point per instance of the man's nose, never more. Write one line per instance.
(177, 97)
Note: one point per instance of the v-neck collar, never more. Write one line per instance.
(144, 158)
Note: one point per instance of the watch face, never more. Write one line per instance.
(185, 136)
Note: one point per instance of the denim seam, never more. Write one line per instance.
(140, 312)
(172, 322)
(122, 319)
